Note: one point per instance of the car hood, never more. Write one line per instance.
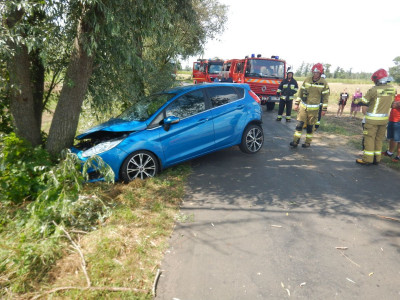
(114, 125)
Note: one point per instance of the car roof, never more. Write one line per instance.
(187, 88)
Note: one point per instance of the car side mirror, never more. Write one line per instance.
(168, 121)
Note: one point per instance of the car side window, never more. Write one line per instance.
(222, 95)
(187, 105)
(240, 92)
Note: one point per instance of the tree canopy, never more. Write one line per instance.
(104, 51)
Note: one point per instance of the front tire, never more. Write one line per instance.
(252, 139)
(140, 164)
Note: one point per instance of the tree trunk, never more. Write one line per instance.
(66, 117)
(22, 106)
(37, 77)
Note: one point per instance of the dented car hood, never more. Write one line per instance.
(114, 125)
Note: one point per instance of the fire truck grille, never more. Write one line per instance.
(263, 89)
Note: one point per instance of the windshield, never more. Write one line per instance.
(214, 68)
(145, 108)
(265, 68)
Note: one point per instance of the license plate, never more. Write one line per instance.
(274, 98)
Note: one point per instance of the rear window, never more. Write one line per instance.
(223, 95)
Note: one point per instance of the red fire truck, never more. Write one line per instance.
(206, 70)
(262, 74)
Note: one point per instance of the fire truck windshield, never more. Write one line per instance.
(264, 68)
(214, 68)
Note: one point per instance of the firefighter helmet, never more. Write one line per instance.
(381, 75)
(318, 68)
(289, 70)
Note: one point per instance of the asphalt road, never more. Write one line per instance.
(267, 226)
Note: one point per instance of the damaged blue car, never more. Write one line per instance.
(174, 126)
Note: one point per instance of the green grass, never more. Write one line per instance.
(124, 251)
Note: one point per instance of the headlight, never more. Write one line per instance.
(100, 148)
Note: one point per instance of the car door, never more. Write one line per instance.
(228, 111)
(193, 135)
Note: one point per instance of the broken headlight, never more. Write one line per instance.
(102, 147)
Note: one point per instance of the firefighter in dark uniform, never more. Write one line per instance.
(313, 93)
(286, 91)
(379, 100)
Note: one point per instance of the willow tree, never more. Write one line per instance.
(108, 50)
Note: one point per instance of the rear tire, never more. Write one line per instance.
(270, 105)
(252, 139)
(140, 164)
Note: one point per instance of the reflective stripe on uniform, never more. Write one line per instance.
(383, 117)
(310, 106)
(363, 100)
(325, 92)
(369, 153)
(377, 153)
(297, 133)
(314, 85)
(309, 135)
(377, 115)
(317, 123)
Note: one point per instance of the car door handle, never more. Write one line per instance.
(202, 120)
(240, 106)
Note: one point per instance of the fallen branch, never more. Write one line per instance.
(341, 252)
(78, 248)
(91, 288)
(155, 282)
(387, 218)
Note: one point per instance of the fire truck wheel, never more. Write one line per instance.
(252, 139)
(270, 105)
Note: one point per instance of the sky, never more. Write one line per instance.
(363, 35)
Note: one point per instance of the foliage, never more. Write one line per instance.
(36, 195)
(5, 117)
(21, 168)
(305, 70)
(131, 48)
(395, 71)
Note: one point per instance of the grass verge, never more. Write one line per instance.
(120, 258)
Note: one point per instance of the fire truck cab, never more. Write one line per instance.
(206, 70)
(263, 75)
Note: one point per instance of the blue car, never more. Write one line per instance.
(180, 124)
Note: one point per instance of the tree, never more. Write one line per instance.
(299, 71)
(395, 71)
(103, 50)
(327, 70)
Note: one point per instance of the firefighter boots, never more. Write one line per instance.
(362, 162)
(306, 145)
(279, 118)
(293, 144)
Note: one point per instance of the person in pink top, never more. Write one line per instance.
(393, 130)
(355, 107)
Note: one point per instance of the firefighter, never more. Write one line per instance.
(313, 93)
(379, 100)
(316, 126)
(286, 90)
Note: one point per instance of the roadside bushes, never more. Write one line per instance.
(36, 197)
